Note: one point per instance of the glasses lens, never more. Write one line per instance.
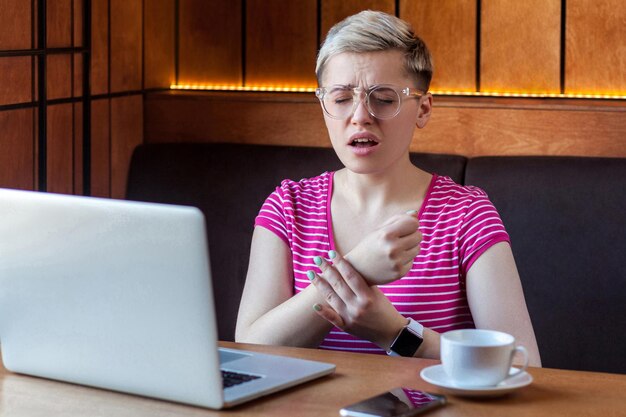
(338, 102)
(383, 102)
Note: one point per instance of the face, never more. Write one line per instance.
(364, 143)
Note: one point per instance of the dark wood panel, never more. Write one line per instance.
(126, 63)
(159, 42)
(464, 126)
(17, 156)
(60, 149)
(59, 76)
(15, 24)
(77, 36)
(449, 29)
(59, 23)
(126, 134)
(100, 148)
(333, 11)
(210, 42)
(15, 76)
(520, 46)
(281, 43)
(99, 47)
(78, 75)
(78, 148)
(595, 47)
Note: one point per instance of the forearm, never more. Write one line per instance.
(292, 323)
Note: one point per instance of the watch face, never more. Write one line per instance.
(407, 343)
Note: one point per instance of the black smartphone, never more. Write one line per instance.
(398, 402)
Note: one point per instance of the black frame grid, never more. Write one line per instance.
(39, 51)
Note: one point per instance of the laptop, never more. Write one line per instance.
(117, 295)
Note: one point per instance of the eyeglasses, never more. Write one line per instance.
(382, 101)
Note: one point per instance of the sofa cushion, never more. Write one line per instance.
(229, 182)
(567, 221)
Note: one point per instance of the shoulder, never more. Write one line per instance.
(307, 187)
(445, 187)
(445, 195)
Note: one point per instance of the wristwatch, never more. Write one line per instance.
(408, 340)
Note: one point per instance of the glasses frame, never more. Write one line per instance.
(403, 93)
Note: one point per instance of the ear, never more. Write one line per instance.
(424, 111)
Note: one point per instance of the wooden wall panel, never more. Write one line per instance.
(449, 29)
(224, 117)
(60, 149)
(77, 62)
(126, 54)
(281, 42)
(15, 24)
(77, 41)
(78, 148)
(59, 76)
(126, 134)
(59, 23)
(100, 148)
(15, 75)
(520, 46)
(159, 43)
(463, 126)
(333, 11)
(77, 36)
(595, 47)
(210, 42)
(524, 128)
(16, 142)
(99, 47)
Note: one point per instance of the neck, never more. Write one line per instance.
(400, 186)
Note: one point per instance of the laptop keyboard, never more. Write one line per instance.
(230, 378)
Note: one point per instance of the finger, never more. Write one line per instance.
(334, 278)
(351, 277)
(330, 315)
(403, 225)
(326, 291)
(410, 242)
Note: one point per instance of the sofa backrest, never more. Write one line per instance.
(567, 220)
(229, 183)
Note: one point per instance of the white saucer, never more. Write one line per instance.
(435, 375)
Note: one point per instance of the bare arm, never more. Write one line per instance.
(269, 313)
(363, 310)
(496, 298)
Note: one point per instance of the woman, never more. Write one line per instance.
(379, 256)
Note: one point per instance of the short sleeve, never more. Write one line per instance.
(272, 215)
(482, 228)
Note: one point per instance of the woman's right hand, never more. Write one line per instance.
(387, 253)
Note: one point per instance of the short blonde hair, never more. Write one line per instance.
(371, 31)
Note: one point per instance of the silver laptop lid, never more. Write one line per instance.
(91, 289)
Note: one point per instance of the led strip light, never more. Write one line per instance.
(281, 89)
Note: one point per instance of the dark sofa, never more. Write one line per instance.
(566, 217)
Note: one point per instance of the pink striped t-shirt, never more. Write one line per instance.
(458, 223)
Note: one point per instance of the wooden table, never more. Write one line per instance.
(553, 393)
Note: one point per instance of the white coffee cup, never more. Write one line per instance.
(479, 358)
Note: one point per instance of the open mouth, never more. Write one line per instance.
(363, 143)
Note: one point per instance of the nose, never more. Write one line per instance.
(360, 115)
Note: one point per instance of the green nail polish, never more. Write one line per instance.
(332, 254)
(317, 307)
(310, 275)
(317, 260)
(411, 212)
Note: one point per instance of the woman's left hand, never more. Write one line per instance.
(352, 305)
